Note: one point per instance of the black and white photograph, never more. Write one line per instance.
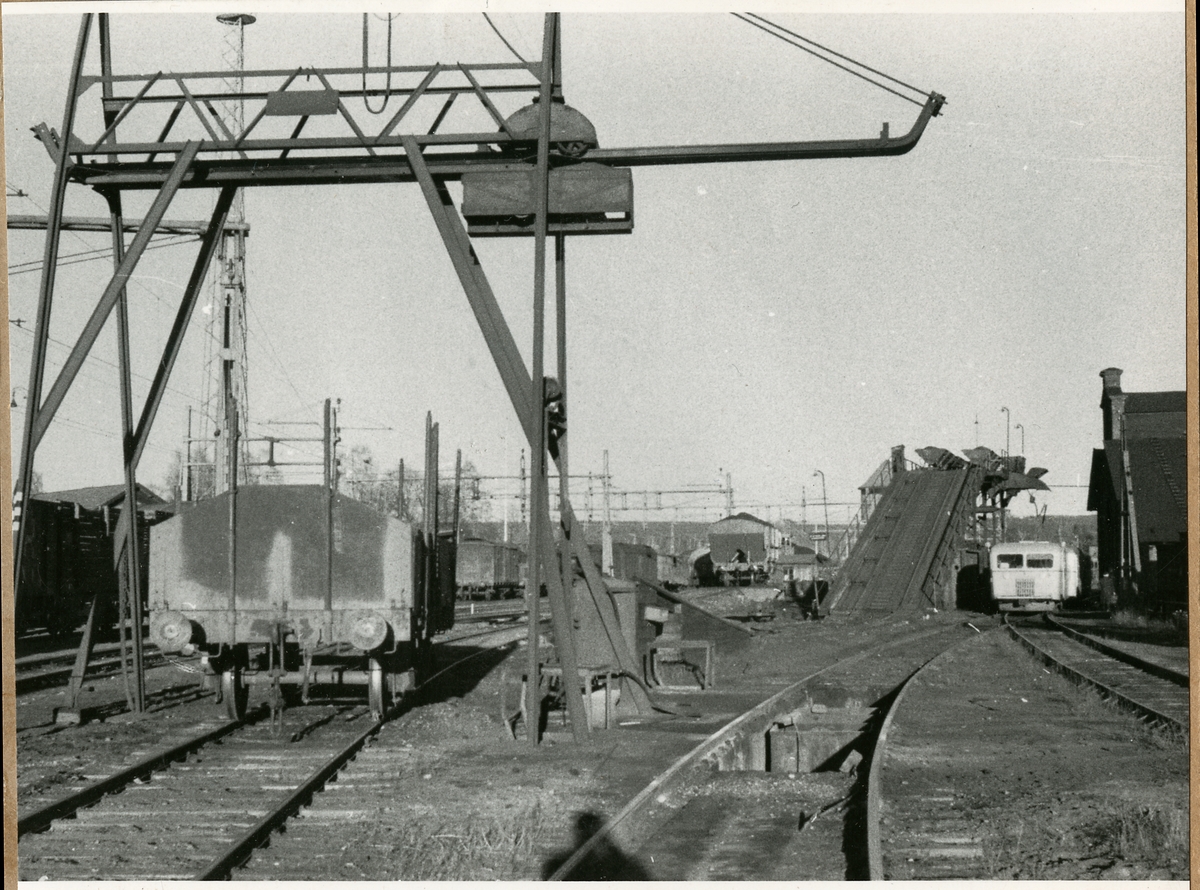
(816, 386)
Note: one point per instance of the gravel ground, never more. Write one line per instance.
(459, 799)
(1029, 778)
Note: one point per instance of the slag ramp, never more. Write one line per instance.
(905, 555)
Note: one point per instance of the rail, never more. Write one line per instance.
(755, 720)
(65, 806)
(241, 849)
(875, 771)
(1161, 671)
(1126, 687)
(278, 812)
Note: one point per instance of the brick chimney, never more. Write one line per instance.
(1112, 403)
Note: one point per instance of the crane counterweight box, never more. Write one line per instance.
(584, 199)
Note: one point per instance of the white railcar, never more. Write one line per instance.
(1033, 575)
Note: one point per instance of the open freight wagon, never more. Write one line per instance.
(298, 586)
(316, 590)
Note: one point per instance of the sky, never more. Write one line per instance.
(763, 320)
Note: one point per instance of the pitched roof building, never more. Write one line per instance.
(99, 496)
(1138, 490)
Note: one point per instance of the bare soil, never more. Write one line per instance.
(445, 792)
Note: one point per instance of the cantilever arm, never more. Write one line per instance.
(880, 146)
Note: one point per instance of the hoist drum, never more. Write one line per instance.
(571, 133)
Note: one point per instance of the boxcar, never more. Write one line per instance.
(1033, 575)
(69, 562)
(488, 570)
(295, 585)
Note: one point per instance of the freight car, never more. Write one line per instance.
(743, 549)
(630, 561)
(488, 570)
(69, 558)
(1033, 576)
(298, 586)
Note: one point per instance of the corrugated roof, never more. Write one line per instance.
(1155, 402)
(1159, 471)
(1158, 468)
(98, 496)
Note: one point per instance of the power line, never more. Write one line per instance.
(91, 356)
(99, 253)
(504, 39)
(799, 46)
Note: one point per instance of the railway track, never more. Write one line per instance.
(34, 672)
(199, 808)
(777, 793)
(938, 833)
(1154, 692)
(978, 763)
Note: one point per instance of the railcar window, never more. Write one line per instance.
(1010, 560)
(1040, 561)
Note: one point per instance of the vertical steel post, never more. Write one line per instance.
(457, 492)
(132, 548)
(606, 541)
(131, 544)
(401, 507)
(429, 518)
(41, 332)
(564, 477)
(330, 488)
(187, 460)
(540, 555)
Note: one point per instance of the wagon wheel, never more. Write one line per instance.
(234, 692)
(378, 692)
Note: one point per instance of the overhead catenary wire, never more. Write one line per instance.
(504, 39)
(99, 253)
(133, 281)
(816, 54)
(93, 357)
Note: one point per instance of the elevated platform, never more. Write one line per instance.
(904, 558)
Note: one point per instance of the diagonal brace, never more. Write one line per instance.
(514, 374)
(91, 330)
(187, 304)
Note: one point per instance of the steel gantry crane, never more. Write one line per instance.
(539, 173)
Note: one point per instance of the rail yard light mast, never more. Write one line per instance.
(1022, 429)
(825, 506)
(1007, 430)
(539, 172)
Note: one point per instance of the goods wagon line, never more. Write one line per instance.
(1156, 694)
(204, 816)
(760, 798)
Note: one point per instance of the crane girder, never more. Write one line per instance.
(383, 159)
